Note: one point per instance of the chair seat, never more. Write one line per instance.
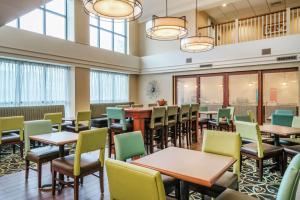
(89, 163)
(81, 127)
(264, 140)
(230, 194)
(292, 149)
(228, 180)
(214, 122)
(169, 183)
(46, 153)
(99, 122)
(10, 137)
(268, 149)
(290, 140)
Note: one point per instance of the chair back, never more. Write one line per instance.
(284, 112)
(282, 119)
(129, 145)
(203, 108)
(55, 118)
(243, 118)
(250, 131)
(83, 116)
(252, 116)
(131, 182)
(232, 109)
(158, 116)
(171, 114)
(224, 113)
(290, 182)
(137, 105)
(223, 143)
(114, 113)
(88, 141)
(296, 122)
(12, 123)
(37, 127)
(193, 113)
(152, 105)
(123, 106)
(184, 112)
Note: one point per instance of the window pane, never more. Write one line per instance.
(119, 43)
(186, 90)
(94, 36)
(93, 21)
(13, 23)
(119, 27)
(55, 26)
(106, 24)
(105, 40)
(32, 21)
(211, 92)
(58, 6)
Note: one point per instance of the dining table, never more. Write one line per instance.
(209, 113)
(187, 165)
(279, 131)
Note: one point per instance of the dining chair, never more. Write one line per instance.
(137, 105)
(252, 116)
(284, 112)
(257, 150)
(226, 144)
(39, 155)
(56, 120)
(83, 122)
(183, 124)
(87, 160)
(287, 189)
(11, 132)
(292, 140)
(203, 120)
(127, 181)
(171, 125)
(282, 119)
(222, 121)
(290, 152)
(193, 118)
(117, 123)
(131, 146)
(155, 129)
(152, 105)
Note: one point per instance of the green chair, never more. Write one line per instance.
(131, 145)
(131, 182)
(117, 124)
(38, 155)
(193, 118)
(183, 124)
(82, 123)
(257, 150)
(284, 112)
(287, 189)
(137, 105)
(8, 128)
(55, 118)
(293, 140)
(227, 144)
(223, 119)
(88, 159)
(282, 119)
(171, 125)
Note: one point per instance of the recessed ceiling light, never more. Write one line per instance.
(224, 4)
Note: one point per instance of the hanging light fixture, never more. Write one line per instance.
(114, 9)
(197, 43)
(166, 28)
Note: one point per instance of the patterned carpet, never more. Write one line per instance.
(250, 183)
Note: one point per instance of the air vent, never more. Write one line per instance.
(266, 51)
(286, 58)
(206, 66)
(189, 60)
(275, 2)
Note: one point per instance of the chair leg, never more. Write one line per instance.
(81, 180)
(101, 174)
(76, 187)
(14, 148)
(261, 168)
(151, 141)
(27, 162)
(179, 134)
(109, 143)
(21, 149)
(39, 171)
(54, 174)
(280, 164)
(175, 136)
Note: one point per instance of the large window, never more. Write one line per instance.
(50, 19)
(108, 87)
(108, 34)
(25, 83)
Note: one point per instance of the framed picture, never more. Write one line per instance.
(276, 28)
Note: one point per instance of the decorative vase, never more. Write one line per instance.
(161, 102)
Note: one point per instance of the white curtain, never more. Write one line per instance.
(25, 83)
(108, 87)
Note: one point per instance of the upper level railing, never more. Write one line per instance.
(270, 25)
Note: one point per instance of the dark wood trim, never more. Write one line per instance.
(174, 89)
(198, 89)
(226, 90)
(260, 110)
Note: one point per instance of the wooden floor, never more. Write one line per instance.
(14, 186)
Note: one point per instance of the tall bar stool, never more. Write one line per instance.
(155, 129)
(183, 124)
(171, 125)
(117, 124)
(193, 115)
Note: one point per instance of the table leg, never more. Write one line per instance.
(184, 190)
(276, 140)
(61, 176)
(139, 125)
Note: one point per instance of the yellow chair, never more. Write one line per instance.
(9, 124)
(82, 117)
(86, 160)
(55, 118)
(130, 182)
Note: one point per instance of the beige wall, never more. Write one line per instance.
(134, 88)
(82, 89)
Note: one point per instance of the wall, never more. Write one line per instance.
(82, 89)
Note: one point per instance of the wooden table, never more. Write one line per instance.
(279, 131)
(208, 113)
(138, 115)
(188, 165)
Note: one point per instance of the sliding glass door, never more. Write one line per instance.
(186, 90)
(211, 92)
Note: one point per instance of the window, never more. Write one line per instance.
(108, 87)
(108, 34)
(25, 83)
(50, 19)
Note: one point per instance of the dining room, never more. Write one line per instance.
(149, 100)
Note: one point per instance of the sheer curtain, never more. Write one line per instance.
(108, 87)
(25, 83)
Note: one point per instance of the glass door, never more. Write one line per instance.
(211, 92)
(280, 91)
(186, 90)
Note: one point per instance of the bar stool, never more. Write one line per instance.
(193, 115)
(183, 123)
(170, 125)
(155, 128)
(117, 124)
